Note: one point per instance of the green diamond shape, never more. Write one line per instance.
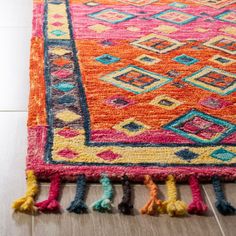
(58, 32)
(64, 87)
(223, 154)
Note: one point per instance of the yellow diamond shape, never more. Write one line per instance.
(133, 29)
(165, 102)
(67, 116)
(229, 30)
(166, 29)
(59, 51)
(99, 28)
(201, 30)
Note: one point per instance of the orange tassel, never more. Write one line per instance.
(153, 206)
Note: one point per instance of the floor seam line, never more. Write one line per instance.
(214, 212)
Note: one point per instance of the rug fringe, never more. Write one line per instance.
(222, 205)
(197, 206)
(78, 205)
(154, 205)
(172, 206)
(104, 203)
(26, 204)
(51, 204)
(126, 206)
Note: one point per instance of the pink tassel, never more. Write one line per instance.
(197, 206)
(51, 204)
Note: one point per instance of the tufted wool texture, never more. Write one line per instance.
(135, 88)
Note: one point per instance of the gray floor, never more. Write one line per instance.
(15, 24)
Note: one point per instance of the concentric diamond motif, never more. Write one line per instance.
(174, 16)
(136, 80)
(223, 43)
(131, 127)
(165, 102)
(214, 80)
(201, 128)
(147, 59)
(157, 43)
(111, 16)
(222, 60)
(228, 16)
(223, 154)
(185, 59)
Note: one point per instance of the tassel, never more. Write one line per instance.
(222, 205)
(104, 203)
(153, 206)
(126, 206)
(78, 206)
(197, 206)
(26, 203)
(172, 206)
(51, 204)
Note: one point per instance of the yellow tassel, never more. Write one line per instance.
(172, 206)
(153, 206)
(26, 203)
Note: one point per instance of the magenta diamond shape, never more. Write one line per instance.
(57, 23)
(56, 16)
(108, 155)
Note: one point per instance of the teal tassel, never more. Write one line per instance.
(104, 203)
(222, 205)
(78, 206)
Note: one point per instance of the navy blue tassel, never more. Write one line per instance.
(78, 206)
(222, 205)
(126, 206)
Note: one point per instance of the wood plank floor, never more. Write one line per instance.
(15, 29)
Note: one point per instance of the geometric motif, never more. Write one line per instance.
(186, 155)
(215, 3)
(136, 80)
(165, 102)
(223, 43)
(223, 154)
(119, 101)
(186, 60)
(221, 60)
(107, 59)
(131, 127)
(174, 16)
(138, 2)
(111, 15)
(157, 43)
(214, 80)
(147, 59)
(214, 103)
(228, 16)
(200, 127)
(178, 5)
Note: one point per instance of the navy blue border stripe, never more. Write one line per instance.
(85, 111)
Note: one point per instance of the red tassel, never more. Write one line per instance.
(51, 204)
(197, 206)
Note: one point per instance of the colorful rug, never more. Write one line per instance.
(132, 90)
